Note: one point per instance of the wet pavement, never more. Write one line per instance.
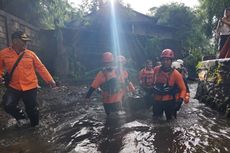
(67, 126)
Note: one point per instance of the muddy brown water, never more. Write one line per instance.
(68, 127)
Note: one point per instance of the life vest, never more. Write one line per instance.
(113, 84)
(146, 77)
(165, 87)
(161, 83)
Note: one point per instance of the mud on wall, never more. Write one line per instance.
(214, 84)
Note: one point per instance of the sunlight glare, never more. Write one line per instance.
(114, 30)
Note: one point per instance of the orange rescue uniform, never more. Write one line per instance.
(146, 77)
(104, 76)
(170, 78)
(24, 77)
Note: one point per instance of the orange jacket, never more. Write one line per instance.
(24, 76)
(123, 78)
(171, 78)
(104, 76)
(146, 77)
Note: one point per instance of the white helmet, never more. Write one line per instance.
(176, 65)
(180, 61)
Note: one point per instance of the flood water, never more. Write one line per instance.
(70, 128)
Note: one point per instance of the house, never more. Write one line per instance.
(95, 36)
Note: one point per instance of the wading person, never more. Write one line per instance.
(183, 69)
(165, 81)
(19, 66)
(179, 67)
(124, 75)
(111, 83)
(146, 81)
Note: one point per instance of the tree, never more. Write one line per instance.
(189, 39)
(188, 34)
(89, 6)
(44, 13)
(211, 11)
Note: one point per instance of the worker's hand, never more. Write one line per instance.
(186, 98)
(52, 84)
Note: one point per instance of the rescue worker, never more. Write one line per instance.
(179, 67)
(111, 83)
(146, 81)
(121, 60)
(182, 68)
(164, 83)
(128, 86)
(23, 82)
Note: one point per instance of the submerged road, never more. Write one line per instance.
(70, 128)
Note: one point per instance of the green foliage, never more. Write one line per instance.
(199, 65)
(214, 74)
(153, 47)
(56, 13)
(188, 30)
(211, 11)
(89, 6)
(189, 36)
(48, 14)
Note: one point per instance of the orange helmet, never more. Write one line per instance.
(167, 53)
(121, 59)
(107, 57)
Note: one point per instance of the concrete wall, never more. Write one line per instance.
(9, 24)
(214, 85)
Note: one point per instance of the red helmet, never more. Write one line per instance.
(121, 59)
(167, 53)
(107, 57)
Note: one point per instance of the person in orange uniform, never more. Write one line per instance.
(111, 83)
(146, 76)
(165, 81)
(146, 81)
(121, 61)
(23, 84)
